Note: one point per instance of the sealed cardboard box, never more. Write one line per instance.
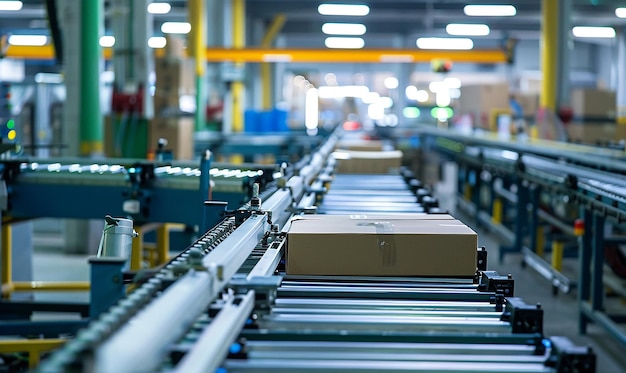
(179, 135)
(361, 162)
(588, 102)
(481, 100)
(381, 245)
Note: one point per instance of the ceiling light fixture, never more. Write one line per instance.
(159, 8)
(28, 40)
(176, 27)
(344, 43)
(343, 10)
(10, 5)
(620, 12)
(593, 32)
(343, 29)
(490, 10)
(467, 29)
(445, 43)
(157, 42)
(107, 41)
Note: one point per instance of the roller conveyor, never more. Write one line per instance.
(226, 302)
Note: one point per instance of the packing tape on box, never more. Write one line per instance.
(386, 242)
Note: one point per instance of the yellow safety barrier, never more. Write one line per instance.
(540, 241)
(496, 211)
(34, 348)
(557, 255)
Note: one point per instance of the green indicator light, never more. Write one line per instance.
(10, 124)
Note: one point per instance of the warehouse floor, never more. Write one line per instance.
(561, 311)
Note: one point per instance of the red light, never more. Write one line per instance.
(351, 125)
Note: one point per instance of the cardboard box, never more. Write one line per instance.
(588, 102)
(360, 145)
(175, 76)
(480, 101)
(179, 135)
(591, 133)
(360, 162)
(174, 47)
(381, 245)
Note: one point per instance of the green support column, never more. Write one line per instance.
(90, 60)
(197, 18)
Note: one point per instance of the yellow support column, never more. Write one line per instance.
(467, 192)
(7, 266)
(557, 255)
(266, 67)
(163, 243)
(136, 256)
(549, 52)
(239, 41)
(34, 348)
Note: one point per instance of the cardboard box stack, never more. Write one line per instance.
(381, 245)
(175, 77)
(594, 116)
(480, 101)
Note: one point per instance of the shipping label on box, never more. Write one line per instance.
(389, 245)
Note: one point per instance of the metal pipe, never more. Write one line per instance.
(51, 286)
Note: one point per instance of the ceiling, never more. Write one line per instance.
(402, 19)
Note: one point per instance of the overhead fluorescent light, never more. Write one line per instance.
(343, 10)
(490, 10)
(107, 41)
(10, 5)
(176, 27)
(344, 43)
(159, 8)
(28, 40)
(593, 32)
(343, 29)
(157, 42)
(620, 12)
(391, 82)
(445, 43)
(467, 29)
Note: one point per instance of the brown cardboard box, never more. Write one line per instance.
(588, 102)
(480, 101)
(162, 102)
(360, 145)
(591, 133)
(528, 102)
(360, 162)
(174, 47)
(175, 76)
(179, 135)
(381, 246)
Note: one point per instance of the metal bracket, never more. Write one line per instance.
(567, 357)
(524, 318)
(491, 281)
(265, 289)
(241, 215)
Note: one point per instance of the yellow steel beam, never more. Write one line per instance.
(136, 256)
(34, 347)
(496, 213)
(266, 69)
(540, 241)
(256, 55)
(549, 52)
(5, 259)
(351, 56)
